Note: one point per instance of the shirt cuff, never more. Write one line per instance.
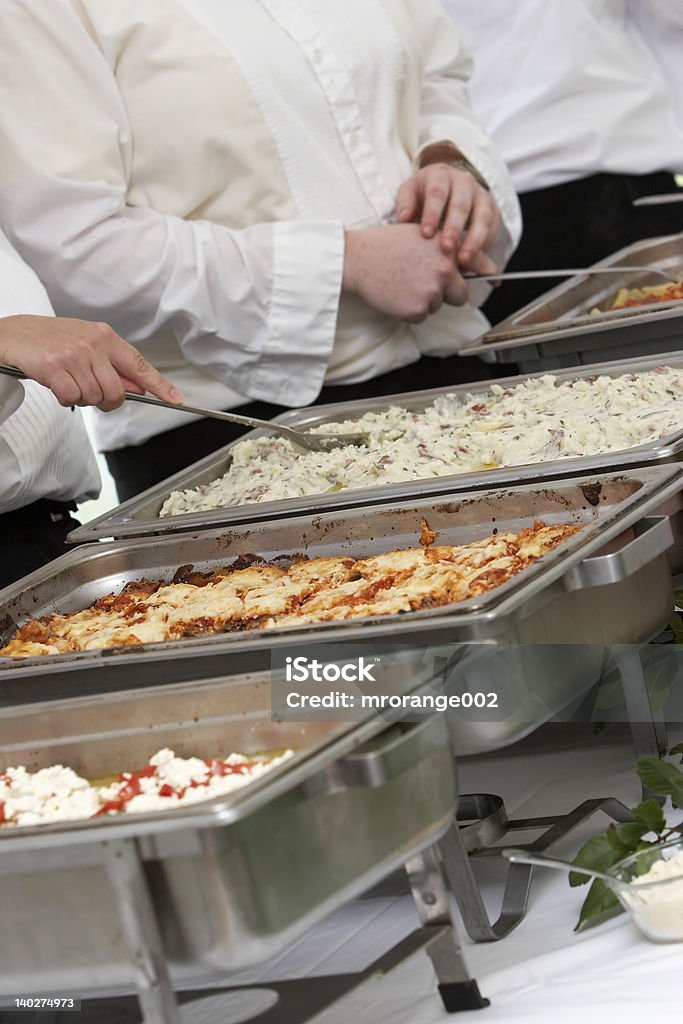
(308, 266)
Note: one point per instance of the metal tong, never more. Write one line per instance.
(659, 199)
(522, 275)
(304, 439)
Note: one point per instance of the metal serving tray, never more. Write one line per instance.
(233, 880)
(583, 592)
(140, 515)
(557, 329)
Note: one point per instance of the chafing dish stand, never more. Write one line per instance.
(301, 999)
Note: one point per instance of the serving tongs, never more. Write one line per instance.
(303, 438)
(523, 275)
(659, 199)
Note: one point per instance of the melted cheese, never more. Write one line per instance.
(267, 596)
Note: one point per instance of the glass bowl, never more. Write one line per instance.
(652, 891)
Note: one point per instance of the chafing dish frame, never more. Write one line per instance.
(558, 330)
(195, 891)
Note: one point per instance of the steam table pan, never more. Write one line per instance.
(608, 584)
(140, 515)
(558, 329)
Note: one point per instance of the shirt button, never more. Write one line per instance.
(318, 55)
(354, 139)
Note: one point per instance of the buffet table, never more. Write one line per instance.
(232, 886)
(543, 971)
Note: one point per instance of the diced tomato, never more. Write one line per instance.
(111, 806)
(222, 768)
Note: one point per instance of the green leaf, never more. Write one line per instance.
(598, 854)
(678, 749)
(625, 837)
(676, 624)
(645, 862)
(659, 679)
(650, 813)
(659, 776)
(599, 899)
(611, 693)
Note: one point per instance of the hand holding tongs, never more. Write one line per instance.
(304, 439)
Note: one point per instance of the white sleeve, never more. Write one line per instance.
(233, 300)
(44, 449)
(658, 25)
(446, 115)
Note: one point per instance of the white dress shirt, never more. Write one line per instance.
(44, 449)
(191, 166)
(570, 88)
(659, 25)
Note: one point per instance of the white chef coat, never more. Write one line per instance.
(190, 168)
(570, 88)
(44, 449)
(659, 25)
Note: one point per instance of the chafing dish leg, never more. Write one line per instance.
(460, 874)
(141, 931)
(458, 991)
(456, 845)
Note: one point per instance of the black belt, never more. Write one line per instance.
(41, 511)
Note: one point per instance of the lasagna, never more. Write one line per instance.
(648, 295)
(542, 419)
(59, 794)
(253, 594)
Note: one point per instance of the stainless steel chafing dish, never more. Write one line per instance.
(208, 889)
(608, 584)
(558, 329)
(140, 515)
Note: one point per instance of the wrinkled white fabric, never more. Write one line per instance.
(577, 87)
(192, 164)
(44, 449)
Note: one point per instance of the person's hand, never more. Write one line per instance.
(398, 271)
(450, 200)
(82, 362)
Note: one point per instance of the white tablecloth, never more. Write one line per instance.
(542, 973)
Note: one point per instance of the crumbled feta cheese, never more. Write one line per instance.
(59, 794)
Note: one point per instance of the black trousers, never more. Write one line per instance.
(138, 467)
(32, 536)
(576, 224)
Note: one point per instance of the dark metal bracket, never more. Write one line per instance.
(481, 821)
